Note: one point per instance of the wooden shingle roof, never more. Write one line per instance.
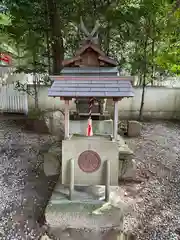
(95, 86)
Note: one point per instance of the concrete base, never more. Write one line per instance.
(104, 146)
(127, 166)
(85, 212)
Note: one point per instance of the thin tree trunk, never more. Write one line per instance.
(108, 30)
(153, 66)
(48, 52)
(140, 79)
(144, 80)
(57, 38)
(107, 41)
(142, 97)
(47, 37)
(36, 102)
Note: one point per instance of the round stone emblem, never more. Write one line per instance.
(89, 161)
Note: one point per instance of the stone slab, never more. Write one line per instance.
(85, 211)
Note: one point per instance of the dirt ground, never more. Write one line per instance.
(25, 189)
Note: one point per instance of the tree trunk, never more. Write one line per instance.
(153, 67)
(108, 32)
(57, 38)
(144, 80)
(48, 52)
(47, 37)
(36, 102)
(35, 86)
(18, 52)
(107, 40)
(140, 82)
(142, 98)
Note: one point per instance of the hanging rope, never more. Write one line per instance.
(91, 103)
(89, 131)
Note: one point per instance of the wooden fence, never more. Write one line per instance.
(12, 100)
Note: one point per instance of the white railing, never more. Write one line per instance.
(12, 100)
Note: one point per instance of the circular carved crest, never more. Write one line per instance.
(89, 161)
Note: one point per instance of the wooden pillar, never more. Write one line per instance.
(115, 125)
(66, 119)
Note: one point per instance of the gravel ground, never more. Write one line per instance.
(25, 189)
(156, 200)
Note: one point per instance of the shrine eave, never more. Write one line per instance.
(74, 87)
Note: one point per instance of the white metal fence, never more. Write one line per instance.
(12, 100)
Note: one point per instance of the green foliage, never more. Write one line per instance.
(136, 32)
(35, 113)
(4, 20)
(6, 43)
(169, 54)
(142, 35)
(169, 58)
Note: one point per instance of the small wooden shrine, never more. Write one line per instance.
(90, 73)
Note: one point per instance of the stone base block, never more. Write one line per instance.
(52, 159)
(127, 170)
(134, 128)
(51, 165)
(85, 212)
(127, 166)
(125, 153)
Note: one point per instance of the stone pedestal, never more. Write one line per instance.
(87, 211)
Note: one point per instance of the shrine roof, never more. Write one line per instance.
(101, 56)
(102, 71)
(91, 86)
